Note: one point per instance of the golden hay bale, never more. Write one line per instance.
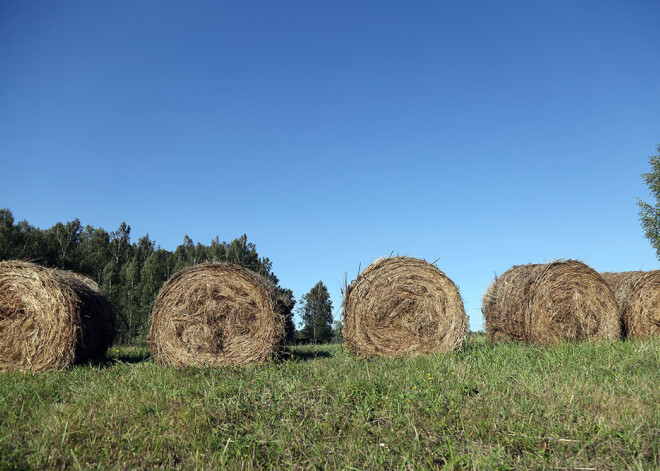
(97, 316)
(403, 306)
(51, 318)
(638, 294)
(215, 314)
(548, 303)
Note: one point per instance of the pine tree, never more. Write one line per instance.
(316, 313)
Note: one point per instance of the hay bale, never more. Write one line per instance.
(638, 294)
(403, 306)
(548, 303)
(215, 314)
(97, 316)
(51, 318)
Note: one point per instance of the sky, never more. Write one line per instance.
(479, 134)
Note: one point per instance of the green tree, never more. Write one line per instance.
(217, 251)
(115, 279)
(285, 304)
(130, 279)
(136, 313)
(65, 240)
(156, 270)
(21, 241)
(9, 236)
(31, 242)
(94, 253)
(111, 283)
(143, 249)
(338, 332)
(188, 254)
(131, 274)
(119, 245)
(649, 215)
(316, 313)
(244, 253)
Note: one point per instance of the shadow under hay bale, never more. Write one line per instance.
(215, 314)
(51, 318)
(638, 294)
(548, 303)
(403, 306)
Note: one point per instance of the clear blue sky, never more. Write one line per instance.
(482, 133)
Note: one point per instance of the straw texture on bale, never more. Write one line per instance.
(548, 303)
(403, 306)
(215, 314)
(638, 294)
(51, 319)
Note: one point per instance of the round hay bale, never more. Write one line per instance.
(548, 303)
(97, 316)
(403, 306)
(51, 318)
(638, 294)
(215, 314)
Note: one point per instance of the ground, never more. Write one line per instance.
(574, 406)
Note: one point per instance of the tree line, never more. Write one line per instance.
(131, 273)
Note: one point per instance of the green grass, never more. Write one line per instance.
(487, 407)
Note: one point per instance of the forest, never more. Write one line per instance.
(131, 273)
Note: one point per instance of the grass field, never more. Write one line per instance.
(576, 406)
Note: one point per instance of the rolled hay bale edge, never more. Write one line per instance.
(51, 319)
(403, 306)
(548, 303)
(216, 314)
(638, 295)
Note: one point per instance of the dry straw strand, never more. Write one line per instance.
(638, 294)
(216, 314)
(51, 319)
(548, 303)
(403, 306)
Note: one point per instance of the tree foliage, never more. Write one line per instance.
(337, 332)
(316, 313)
(286, 303)
(649, 215)
(130, 273)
